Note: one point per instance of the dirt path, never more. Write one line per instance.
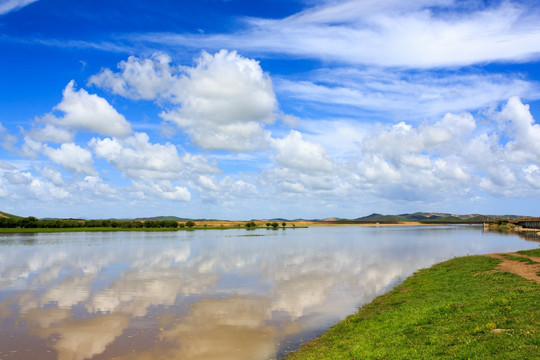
(524, 269)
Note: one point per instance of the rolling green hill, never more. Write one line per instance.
(417, 216)
(435, 217)
(8, 216)
(161, 218)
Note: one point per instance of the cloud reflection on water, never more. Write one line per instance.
(211, 297)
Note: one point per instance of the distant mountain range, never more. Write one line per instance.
(417, 216)
(436, 217)
(161, 218)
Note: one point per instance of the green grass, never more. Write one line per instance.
(533, 252)
(83, 229)
(458, 309)
(520, 259)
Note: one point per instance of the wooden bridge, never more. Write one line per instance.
(529, 223)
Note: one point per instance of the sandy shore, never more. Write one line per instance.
(301, 223)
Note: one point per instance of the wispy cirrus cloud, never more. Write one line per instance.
(7, 6)
(420, 34)
(405, 94)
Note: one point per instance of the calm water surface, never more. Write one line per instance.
(205, 294)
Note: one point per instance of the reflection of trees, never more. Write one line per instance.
(530, 235)
(14, 240)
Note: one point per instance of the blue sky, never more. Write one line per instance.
(241, 109)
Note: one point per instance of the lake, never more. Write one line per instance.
(214, 294)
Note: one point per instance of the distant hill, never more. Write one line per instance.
(161, 218)
(8, 216)
(417, 216)
(435, 217)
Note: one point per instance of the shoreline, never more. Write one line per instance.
(222, 225)
(395, 299)
(466, 307)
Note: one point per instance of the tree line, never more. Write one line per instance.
(32, 223)
(274, 225)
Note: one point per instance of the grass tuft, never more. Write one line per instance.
(533, 252)
(520, 259)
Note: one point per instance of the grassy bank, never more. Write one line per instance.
(459, 309)
(82, 229)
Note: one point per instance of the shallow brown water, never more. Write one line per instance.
(205, 294)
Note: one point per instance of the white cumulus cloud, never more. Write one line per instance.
(6, 139)
(52, 175)
(222, 103)
(139, 78)
(84, 111)
(72, 157)
(95, 185)
(155, 169)
(137, 157)
(163, 189)
(520, 125)
(454, 156)
(210, 188)
(47, 191)
(17, 177)
(51, 133)
(294, 152)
